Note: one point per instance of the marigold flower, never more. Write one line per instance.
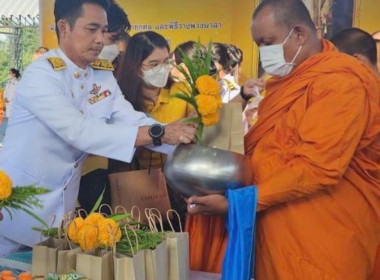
(88, 237)
(210, 119)
(207, 85)
(109, 232)
(207, 104)
(93, 219)
(5, 186)
(75, 226)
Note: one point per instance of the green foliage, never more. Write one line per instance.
(29, 43)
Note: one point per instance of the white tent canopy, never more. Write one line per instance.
(16, 8)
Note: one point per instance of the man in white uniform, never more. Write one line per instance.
(68, 105)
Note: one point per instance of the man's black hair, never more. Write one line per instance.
(73, 9)
(356, 41)
(117, 19)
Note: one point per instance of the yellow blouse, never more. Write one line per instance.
(166, 109)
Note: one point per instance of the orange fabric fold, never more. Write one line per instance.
(315, 152)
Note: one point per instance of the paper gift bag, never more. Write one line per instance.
(178, 252)
(45, 256)
(156, 263)
(141, 188)
(130, 267)
(228, 134)
(67, 260)
(96, 264)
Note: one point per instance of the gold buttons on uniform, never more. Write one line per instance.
(77, 74)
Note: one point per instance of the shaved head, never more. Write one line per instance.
(288, 13)
(354, 41)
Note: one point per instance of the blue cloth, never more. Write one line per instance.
(239, 258)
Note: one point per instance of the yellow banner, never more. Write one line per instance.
(224, 21)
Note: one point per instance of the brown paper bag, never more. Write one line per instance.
(178, 253)
(45, 256)
(228, 134)
(156, 263)
(96, 264)
(130, 267)
(67, 260)
(140, 188)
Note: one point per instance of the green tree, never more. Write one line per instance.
(29, 43)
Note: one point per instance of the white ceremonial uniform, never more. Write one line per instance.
(230, 89)
(61, 114)
(9, 93)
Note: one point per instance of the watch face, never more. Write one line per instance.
(156, 130)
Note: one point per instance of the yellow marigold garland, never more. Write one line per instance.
(207, 104)
(75, 226)
(5, 186)
(93, 219)
(88, 237)
(210, 119)
(109, 232)
(207, 85)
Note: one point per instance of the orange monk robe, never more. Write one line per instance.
(315, 153)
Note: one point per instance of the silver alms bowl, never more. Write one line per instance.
(197, 170)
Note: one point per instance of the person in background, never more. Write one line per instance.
(359, 44)
(40, 51)
(315, 153)
(118, 28)
(8, 96)
(235, 56)
(229, 88)
(145, 82)
(376, 36)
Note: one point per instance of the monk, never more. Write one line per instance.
(314, 152)
(359, 44)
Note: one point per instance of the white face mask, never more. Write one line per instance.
(109, 52)
(157, 76)
(273, 60)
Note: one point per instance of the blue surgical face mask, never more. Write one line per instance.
(273, 59)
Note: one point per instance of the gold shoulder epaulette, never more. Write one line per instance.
(230, 85)
(57, 63)
(102, 64)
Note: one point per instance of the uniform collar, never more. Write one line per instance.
(78, 72)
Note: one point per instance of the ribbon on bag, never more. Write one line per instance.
(239, 259)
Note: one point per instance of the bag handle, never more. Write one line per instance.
(80, 213)
(105, 205)
(154, 217)
(129, 240)
(139, 214)
(152, 225)
(170, 223)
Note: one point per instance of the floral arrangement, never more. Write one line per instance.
(203, 91)
(94, 231)
(20, 198)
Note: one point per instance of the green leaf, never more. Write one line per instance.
(185, 98)
(119, 217)
(98, 202)
(193, 120)
(200, 131)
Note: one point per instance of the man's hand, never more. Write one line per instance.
(6, 100)
(214, 204)
(178, 132)
(249, 86)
